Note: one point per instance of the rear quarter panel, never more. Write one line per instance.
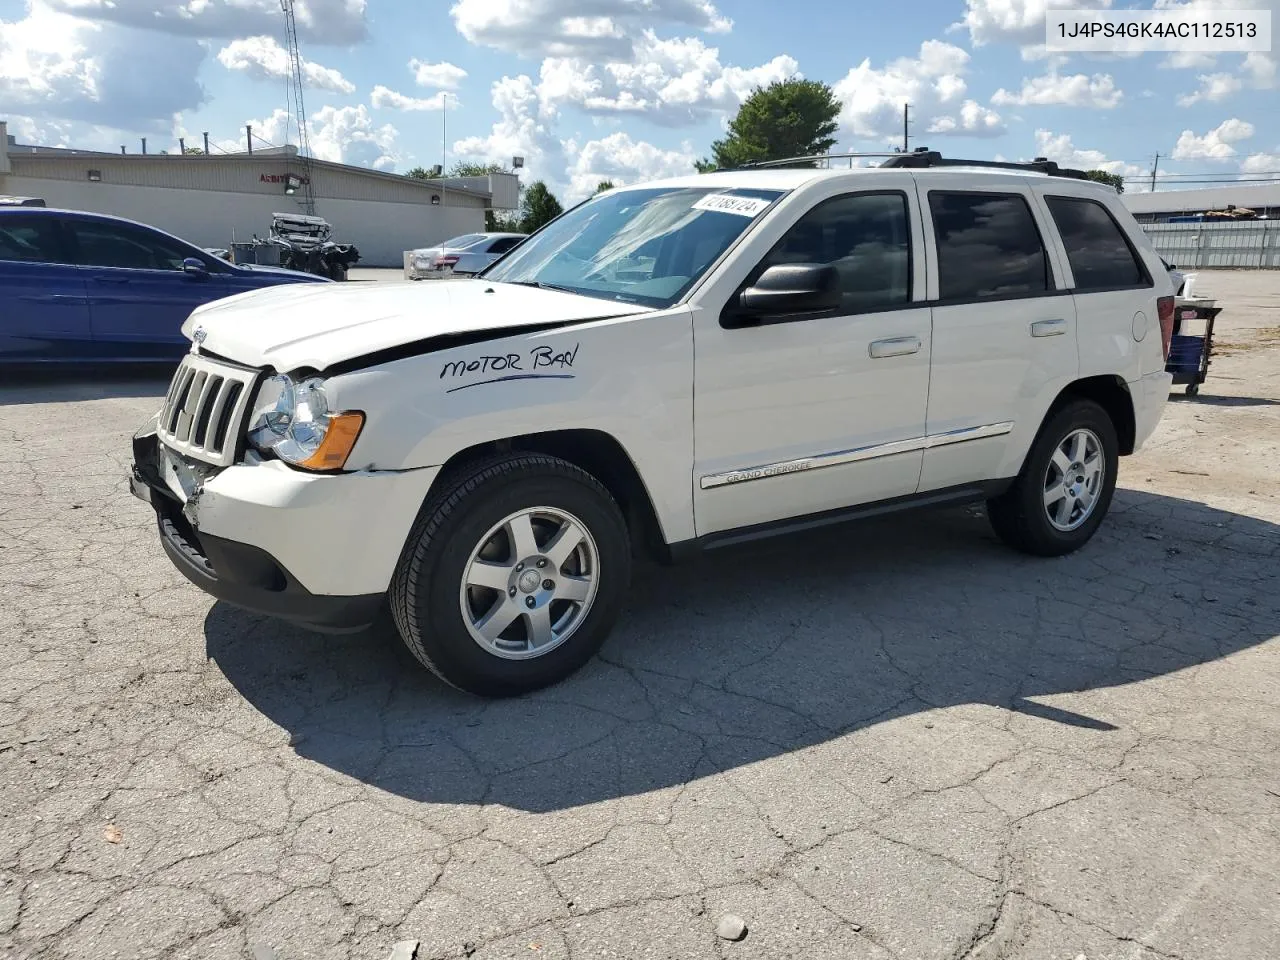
(630, 377)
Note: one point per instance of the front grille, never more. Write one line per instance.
(204, 408)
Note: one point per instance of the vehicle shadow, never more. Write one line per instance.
(1209, 400)
(758, 651)
(87, 383)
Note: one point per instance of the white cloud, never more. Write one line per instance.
(1189, 60)
(1073, 90)
(1260, 163)
(568, 28)
(321, 21)
(337, 134)
(619, 158)
(527, 128)
(1260, 70)
(263, 58)
(1059, 148)
(1214, 145)
(1015, 21)
(671, 82)
(438, 76)
(933, 83)
(1213, 87)
(53, 66)
(1257, 71)
(383, 98)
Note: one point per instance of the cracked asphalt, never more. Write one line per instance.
(896, 739)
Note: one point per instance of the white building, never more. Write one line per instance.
(1262, 198)
(213, 201)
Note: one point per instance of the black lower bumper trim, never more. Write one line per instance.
(240, 574)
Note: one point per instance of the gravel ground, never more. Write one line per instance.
(893, 740)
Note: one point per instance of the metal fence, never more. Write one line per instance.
(1250, 243)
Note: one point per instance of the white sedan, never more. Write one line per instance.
(462, 256)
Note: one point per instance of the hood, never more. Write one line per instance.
(292, 326)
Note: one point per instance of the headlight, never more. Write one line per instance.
(293, 421)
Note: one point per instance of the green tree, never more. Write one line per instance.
(604, 185)
(194, 152)
(539, 207)
(464, 169)
(495, 222)
(788, 118)
(419, 173)
(1111, 179)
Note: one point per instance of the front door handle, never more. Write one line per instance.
(1048, 328)
(894, 347)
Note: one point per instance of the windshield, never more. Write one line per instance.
(464, 241)
(637, 246)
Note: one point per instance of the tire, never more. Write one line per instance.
(1193, 389)
(465, 532)
(337, 272)
(1026, 519)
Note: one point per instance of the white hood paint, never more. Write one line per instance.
(317, 325)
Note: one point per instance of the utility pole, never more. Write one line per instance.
(206, 143)
(248, 135)
(444, 145)
(182, 145)
(906, 121)
(1154, 167)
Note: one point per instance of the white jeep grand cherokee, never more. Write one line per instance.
(672, 366)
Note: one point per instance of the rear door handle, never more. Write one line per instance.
(110, 278)
(894, 347)
(1048, 328)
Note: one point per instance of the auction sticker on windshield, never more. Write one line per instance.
(727, 203)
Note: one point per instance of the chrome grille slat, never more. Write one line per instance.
(204, 407)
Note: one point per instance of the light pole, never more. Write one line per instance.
(444, 143)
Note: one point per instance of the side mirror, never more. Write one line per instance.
(792, 290)
(194, 267)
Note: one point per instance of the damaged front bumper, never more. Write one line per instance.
(239, 573)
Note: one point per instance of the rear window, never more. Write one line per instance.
(988, 246)
(1100, 256)
(30, 240)
(462, 242)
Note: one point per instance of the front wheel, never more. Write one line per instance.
(513, 575)
(1065, 488)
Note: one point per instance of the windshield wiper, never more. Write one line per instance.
(539, 284)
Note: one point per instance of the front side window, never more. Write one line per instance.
(30, 239)
(1099, 255)
(645, 246)
(117, 245)
(988, 246)
(866, 238)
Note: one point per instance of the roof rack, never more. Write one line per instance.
(812, 158)
(923, 157)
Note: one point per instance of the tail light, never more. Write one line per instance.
(442, 262)
(1164, 308)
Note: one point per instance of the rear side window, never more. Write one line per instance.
(1099, 254)
(988, 246)
(30, 240)
(503, 244)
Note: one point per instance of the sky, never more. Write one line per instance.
(626, 90)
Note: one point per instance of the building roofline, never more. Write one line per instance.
(66, 155)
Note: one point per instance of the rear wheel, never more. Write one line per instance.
(1065, 488)
(513, 576)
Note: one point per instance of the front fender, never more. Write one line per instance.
(629, 377)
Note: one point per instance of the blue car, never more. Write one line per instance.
(77, 287)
